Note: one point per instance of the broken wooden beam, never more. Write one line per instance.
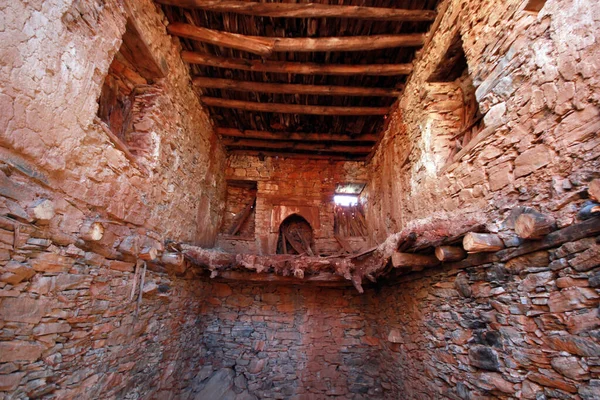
(334, 148)
(450, 253)
(482, 242)
(240, 219)
(287, 88)
(534, 225)
(291, 108)
(305, 10)
(295, 136)
(285, 67)
(264, 46)
(421, 261)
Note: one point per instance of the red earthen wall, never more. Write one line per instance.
(289, 186)
(72, 320)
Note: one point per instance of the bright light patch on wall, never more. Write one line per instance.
(345, 200)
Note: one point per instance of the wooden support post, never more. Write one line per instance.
(413, 260)
(450, 253)
(534, 225)
(482, 242)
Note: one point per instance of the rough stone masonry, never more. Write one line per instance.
(98, 299)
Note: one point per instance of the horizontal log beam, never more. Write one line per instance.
(264, 46)
(283, 67)
(313, 137)
(300, 156)
(305, 10)
(285, 88)
(292, 108)
(319, 279)
(290, 146)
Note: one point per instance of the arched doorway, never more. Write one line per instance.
(295, 236)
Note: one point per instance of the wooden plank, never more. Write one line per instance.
(285, 67)
(264, 46)
(305, 10)
(303, 156)
(337, 148)
(292, 108)
(285, 88)
(294, 136)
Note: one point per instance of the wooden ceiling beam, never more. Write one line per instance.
(305, 10)
(284, 88)
(284, 67)
(291, 146)
(304, 156)
(264, 46)
(314, 137)
(292, 108)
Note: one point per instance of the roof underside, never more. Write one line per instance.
(326, 112)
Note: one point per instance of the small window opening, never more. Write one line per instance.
(345, 200)
(349, 216)
(128, 93)
(453, 72)
(240, 205)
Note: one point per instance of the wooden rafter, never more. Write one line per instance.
(305, 10)
(287, 154)
(246, 86)
(296, 67)
(294, 136)
(292, 108)
(336, 148)
(266, 45)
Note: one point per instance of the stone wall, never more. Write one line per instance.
(288, 186)
(525, 329)
(265, 341)
(536, 82)
(78, 316)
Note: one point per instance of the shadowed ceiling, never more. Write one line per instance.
(302, 79)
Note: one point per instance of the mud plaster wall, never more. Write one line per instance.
(292, 184)
(69, 320)
(536, 78)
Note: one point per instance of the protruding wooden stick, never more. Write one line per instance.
(482, 242)
(286, 88)
(413, 260)
(450, 253)
(284, 67)
(292, 108)
(534, 225)
(305, 10)
(91, 231)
